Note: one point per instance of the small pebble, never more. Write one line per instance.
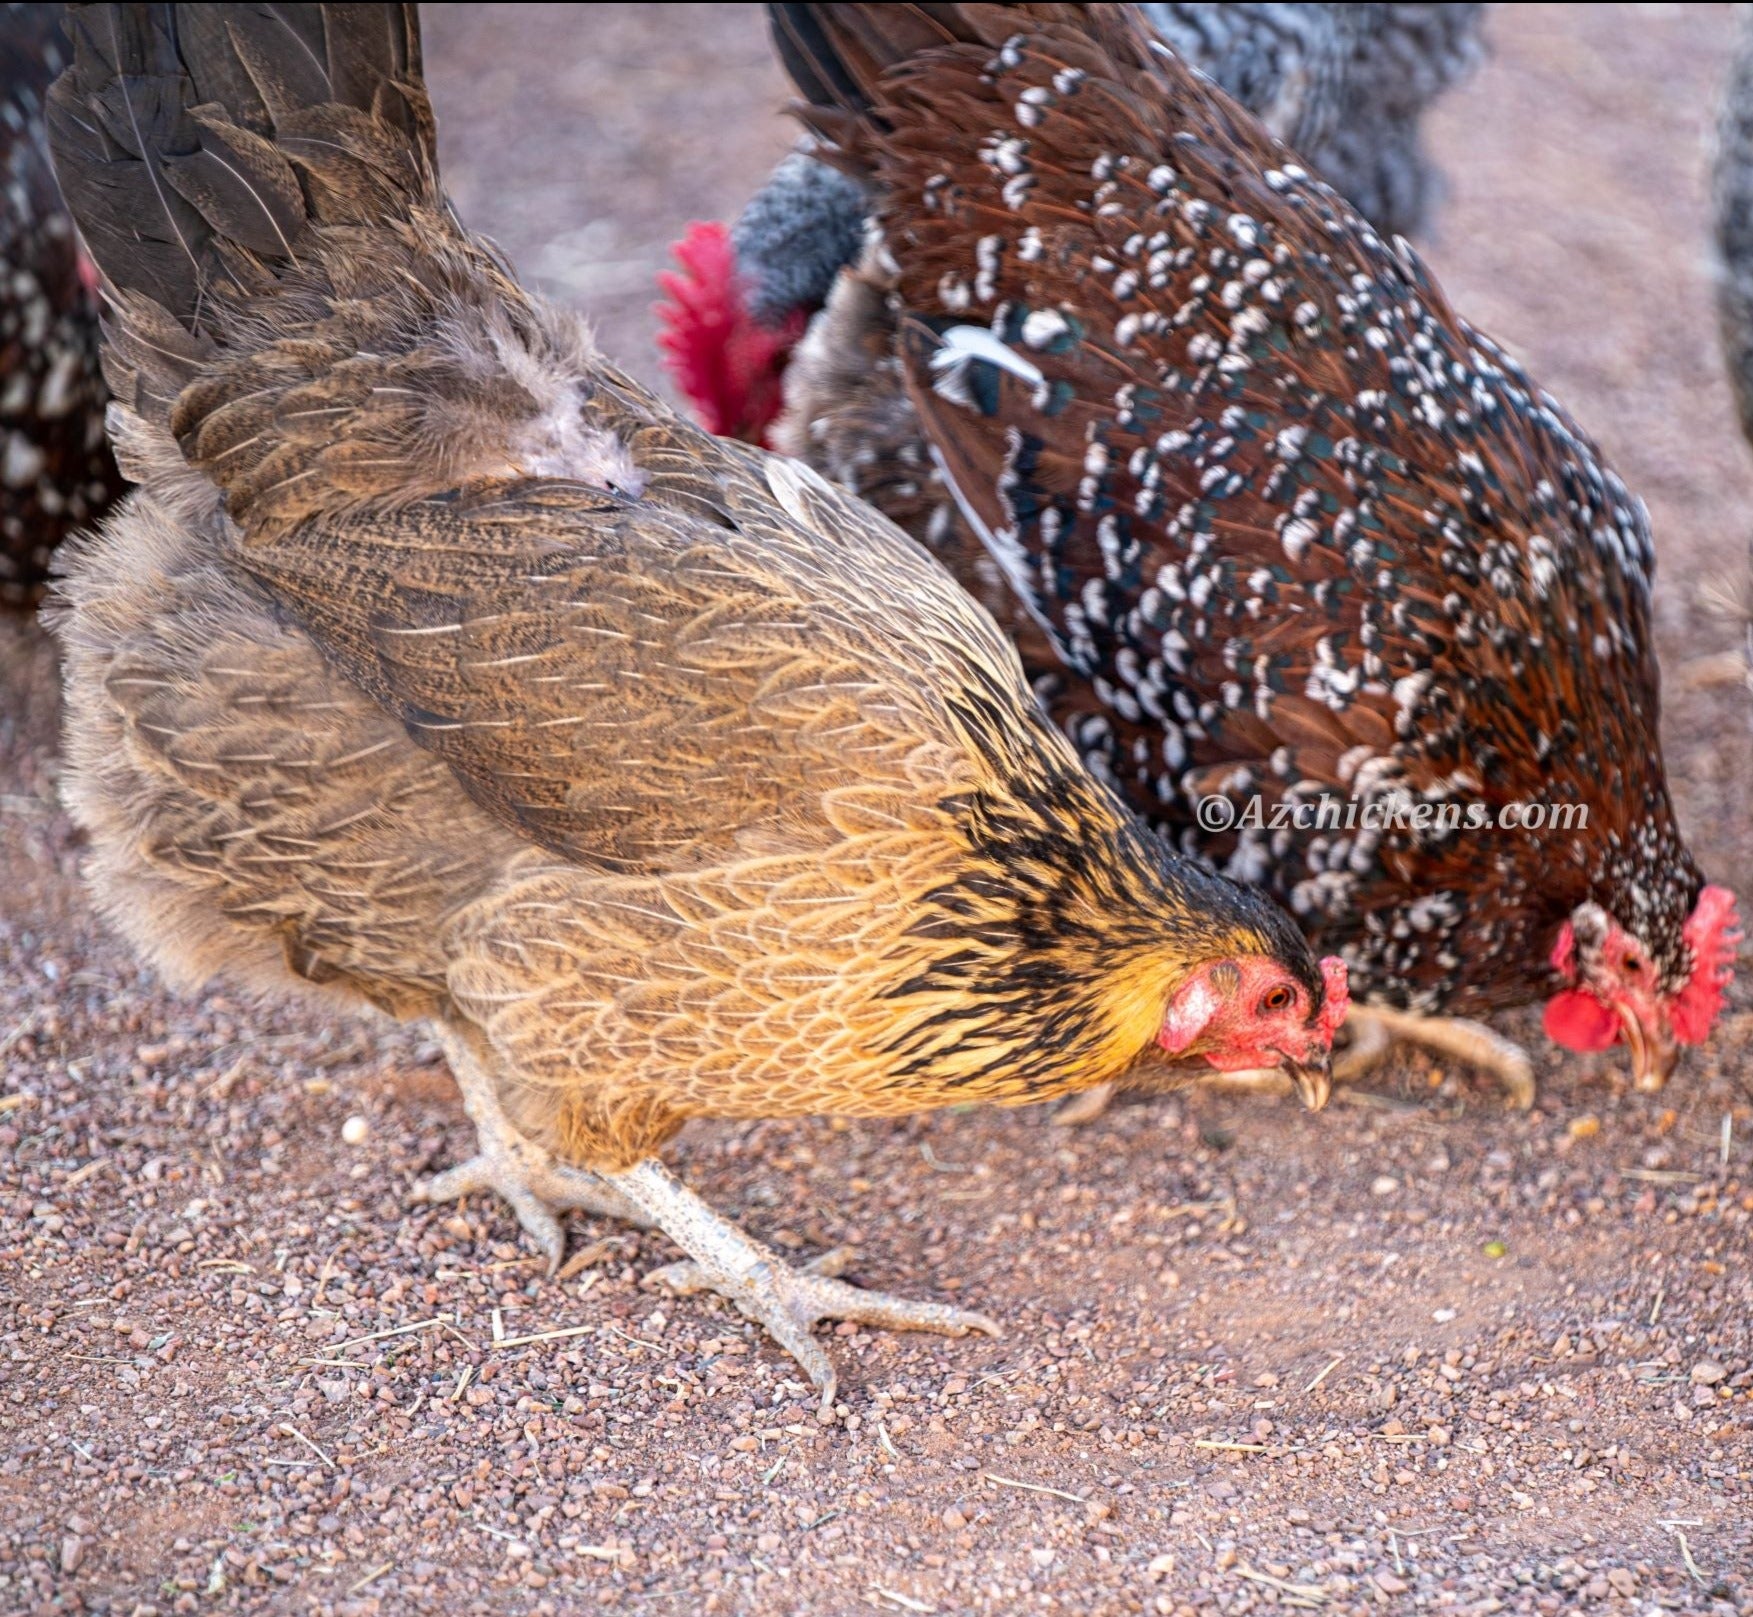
(355, 1130)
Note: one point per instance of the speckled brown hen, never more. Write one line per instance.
(436, 666)
(1292, 528)
(56, 470)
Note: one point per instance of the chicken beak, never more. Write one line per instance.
(1652, 1060)
(1313, 1083)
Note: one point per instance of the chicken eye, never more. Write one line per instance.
(1278, 999)
(1631, 965)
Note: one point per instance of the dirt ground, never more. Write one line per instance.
(1413, 1352)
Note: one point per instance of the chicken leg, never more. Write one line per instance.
(524, 1173)
(787, 1301)
(1374, 1031)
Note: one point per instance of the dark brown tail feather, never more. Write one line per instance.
(837, 55)
(176, 132)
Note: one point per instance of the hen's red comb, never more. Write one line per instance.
(1712, 932)
(722, 358)
(1336, 985)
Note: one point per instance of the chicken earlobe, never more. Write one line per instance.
(787, 1301)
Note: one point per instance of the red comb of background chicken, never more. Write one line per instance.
(725, 362)
(1712, 933)
(1336, 983)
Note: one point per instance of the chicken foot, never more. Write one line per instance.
(525, 1174)
(1086, 1106)
(1374, 1031)
(787, 1301)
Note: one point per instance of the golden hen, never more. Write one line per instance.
(437, 667)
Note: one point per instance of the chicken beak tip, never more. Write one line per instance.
(1652, 1059)
(1656, 1066)
(1314, 1084)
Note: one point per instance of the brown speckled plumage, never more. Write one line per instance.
(1346, 86)
(56, 471)
(1293, 527)
(439, 666)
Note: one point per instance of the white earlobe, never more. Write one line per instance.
(1190, 1013)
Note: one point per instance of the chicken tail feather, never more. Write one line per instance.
(293, 311)
(836, 53)
(195, 144)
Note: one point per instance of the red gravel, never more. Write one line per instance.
(1416, 1350)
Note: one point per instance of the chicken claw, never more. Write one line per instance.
(525, 1174)
(534, 1186)
(767, 1290)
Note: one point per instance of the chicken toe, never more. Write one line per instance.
(503, 1172)
(1374, 1030)
(1086, 1106)
(534, 1185)
(787, 1301)
(525, 1174)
